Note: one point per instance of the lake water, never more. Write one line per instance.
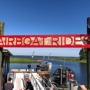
(79, 69)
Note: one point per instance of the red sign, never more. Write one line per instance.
(46, 41)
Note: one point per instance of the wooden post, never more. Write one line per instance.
(7, 64)
(88, 55)
(1, 53)
(5, 67)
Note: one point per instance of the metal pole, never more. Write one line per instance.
(43, 58)
(71, 85)
(88, 55)
(1, 49)
(61, 77)
(33, 54)
(0, 68)
(32, 57)
(67, 77)
(48, 57)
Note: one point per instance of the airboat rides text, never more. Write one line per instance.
(43, 41)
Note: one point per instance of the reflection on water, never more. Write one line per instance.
(83, 75)
(79, 69)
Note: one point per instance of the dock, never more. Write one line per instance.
(27, 71)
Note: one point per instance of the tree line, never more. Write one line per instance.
(82, 53)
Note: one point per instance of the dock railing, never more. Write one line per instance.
(36, 84)
(47, 84)
(11, 75)
(41, 83)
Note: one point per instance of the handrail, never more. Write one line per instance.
(23, 80)
(12, 76)
(24, 83)
(48, 83)
(36, 83)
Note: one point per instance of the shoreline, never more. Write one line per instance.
(70, 60)
(22, 60)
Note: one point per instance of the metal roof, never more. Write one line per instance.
(7, 51)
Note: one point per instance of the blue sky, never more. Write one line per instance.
(44, 17)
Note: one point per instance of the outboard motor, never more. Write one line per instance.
(49, 66)
(44, 66)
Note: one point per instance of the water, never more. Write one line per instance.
(79, 69)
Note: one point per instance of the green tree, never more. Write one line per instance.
(83, 53)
